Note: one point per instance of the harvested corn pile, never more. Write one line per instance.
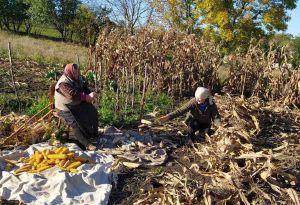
(40, 161)
(90, 185)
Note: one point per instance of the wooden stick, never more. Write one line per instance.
(243, 85)
(100, 82)
(43, 117)
(78, 62)
(127, 89)
(133, 88)
(143, 95)
(96, 77)
(12, 76)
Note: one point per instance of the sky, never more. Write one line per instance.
(294, 23)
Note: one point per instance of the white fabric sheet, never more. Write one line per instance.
(91, 185)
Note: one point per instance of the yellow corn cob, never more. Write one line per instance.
(43, 168)
(22, 169)
(73, 170)
(22, 159)
(57, 161)
(57, 156)
(62, 162)
(10, 161)
(51, 161)
(45, 161)
(39, 158)
(44, 154)
(67, 163)
(61, 167)
(71, 155)
(74, 165)
(36, 153)
(81, 159)
(27, 160)
(58, 150)
(64, 150)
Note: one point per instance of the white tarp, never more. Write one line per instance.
(91, 185)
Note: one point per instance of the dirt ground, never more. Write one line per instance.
(29, 76)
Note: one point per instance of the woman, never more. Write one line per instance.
(202, 111)
(73, 104)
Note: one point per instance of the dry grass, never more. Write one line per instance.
(41, 50)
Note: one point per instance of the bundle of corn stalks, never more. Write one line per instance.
(23, 130)
(253, 159)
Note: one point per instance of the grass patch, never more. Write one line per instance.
(50, 32)
(110, 114)
(29, 105)
(38, 105)
(9, 103)
(41, 50)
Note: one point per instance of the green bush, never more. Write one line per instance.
(108, 113)
(160, 102)
(9, 103)
(38, 105)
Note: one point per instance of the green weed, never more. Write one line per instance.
(111, 113)
(38, 105)
(9, 103)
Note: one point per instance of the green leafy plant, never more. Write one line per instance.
(111, 113)
(38, 105)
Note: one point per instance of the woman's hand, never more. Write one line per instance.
(164, 119)
(91, 97)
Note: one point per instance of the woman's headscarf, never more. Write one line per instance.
(70, 69)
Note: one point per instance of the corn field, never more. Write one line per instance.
(177, 63)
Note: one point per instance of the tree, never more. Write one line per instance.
(87, 23)
(129, 13)
(63, 12)
(233, 22)
(59, 13)
(241, 19)
(13, 13)
(39, 11)
(177, 13)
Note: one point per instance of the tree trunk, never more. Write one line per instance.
(27, 26)
(6, 23)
